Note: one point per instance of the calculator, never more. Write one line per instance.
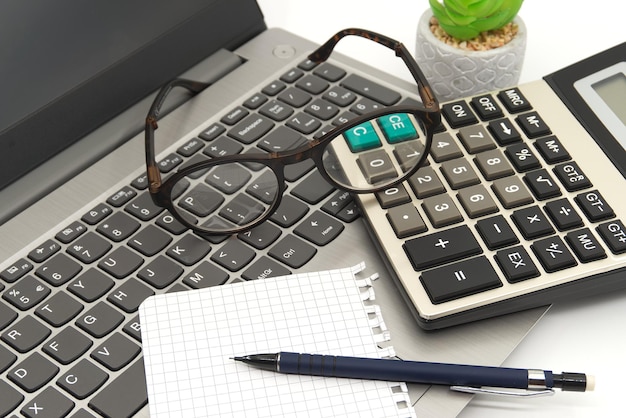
(521, 202)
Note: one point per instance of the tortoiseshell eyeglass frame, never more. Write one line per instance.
(429, 113)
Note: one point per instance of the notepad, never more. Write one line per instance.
(189, 339)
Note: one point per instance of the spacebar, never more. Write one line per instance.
(125, 395)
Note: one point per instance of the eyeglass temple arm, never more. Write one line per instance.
(154, 175)
(428, 98)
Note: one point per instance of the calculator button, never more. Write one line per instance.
(504, 131)
(533, 125)
(522, 157)
(542, 185)
(475, 139)
(376, 166)
(458, 114)
(486, 107)
(397, 127)
(477, 201)
(496, 232)
(516, 264)
(553, 254)
(594, 206)
(493, 165)
(514, 100)
(362, 137)
(444, 148)
(393, 196)
(441, 247)
(563, 214)
(408, 154)
(585, 245)
(532, 222)
(572, 176)
(511, 192)
(614, 235)
(552, 150)
(459, 173)
(460, 279)
(441, 210)
(406, 220)
(425, 183)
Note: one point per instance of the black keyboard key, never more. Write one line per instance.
(503, 131)
(364, 106)
(460, 279)
(292, 75)
(100, 320)
(458, 114)
(118, 227)
(50, 402)
(59, 309)
(129, 295)
(486, 107)
(563, 214)
(552, 150)
(169, 163)
(292, 251)
(170, 224)
(514, 100)
(553, 254)
(189, 249)
(251, 129)
(222, 147)
(542, 185)
(116, 352)
(281, 139)
(7, 315)
(321, 109)
(212, 132)
(150, 240)
(89, 248)
(290, 211)
(44, 251)
(533, 125)
(143, 208)
(313, 189)
(98, 213)
(26, 293)
(614, 235)
(9, 398)
(161, 272)
(441, 247)
(233, 256)
(6, 359)
(190, 148)
(594, 206)
(83, 379)
(585, 245)
(264, 268)
(139, 183)
(522, 157)
(294, 97)
(274, 88)
(71, 232)
(205, 275)
(303, 123)
(371, 90)
(58, 270)
(125, 395)
(201, 200)
(133, 327)
(234, 116)
(121, 262)
(319, 228)
(496, 232)
(33, 372)
(516, 264)
(261, 236)
(67, 345)
(275, 110)
(16, 270)
(91, 285)
(329, 72)
(340, 96)
(572, 177)
(532, 222)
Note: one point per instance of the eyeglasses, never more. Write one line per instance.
(369, 153)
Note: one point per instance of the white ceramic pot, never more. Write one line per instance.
(454, 73)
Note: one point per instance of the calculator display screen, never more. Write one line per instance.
(612, 91)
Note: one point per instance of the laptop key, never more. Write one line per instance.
(89, 248)
(129, 295)
(100, 320)
(98, 213)
(143, 207)
(150, 240)
(26, 293)
(293, 251)
(233, 256)
(83, 379)
(16, 270)
(32, 373)
(44, 251)
(59, 309)
(67, 345)
(371, 90)
(313, 189)
(116, 352)
(49, 402)
(58, 270)
(9, 398)
(161, 272)
(71, 232)
(319, 228)
(121, 262)
(125, 395)
(264, 268)
(90, 285)
(205, 275)
(189, 249)
(133, 327)
(6, 359)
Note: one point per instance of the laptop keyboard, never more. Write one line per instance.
(497, 180)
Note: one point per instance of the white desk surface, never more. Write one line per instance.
(585, 335)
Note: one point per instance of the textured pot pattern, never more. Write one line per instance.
(455, 73)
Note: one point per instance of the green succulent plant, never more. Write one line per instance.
(466, 19)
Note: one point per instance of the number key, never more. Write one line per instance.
(459, 173)
(441, 210)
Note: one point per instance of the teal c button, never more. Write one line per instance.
(397, 127)
(362, 137)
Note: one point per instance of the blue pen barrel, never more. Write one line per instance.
(403, 371)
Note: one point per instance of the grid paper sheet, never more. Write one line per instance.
(190, 337)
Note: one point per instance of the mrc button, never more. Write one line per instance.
(514, 100)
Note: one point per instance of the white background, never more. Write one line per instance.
(586, 335)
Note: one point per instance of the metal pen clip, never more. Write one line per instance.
(503, 392)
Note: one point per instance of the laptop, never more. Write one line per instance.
(82, 78)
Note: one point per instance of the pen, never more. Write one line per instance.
(460, 377)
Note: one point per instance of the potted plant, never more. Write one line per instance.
(466, 47)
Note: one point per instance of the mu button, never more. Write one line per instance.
(460, 279)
